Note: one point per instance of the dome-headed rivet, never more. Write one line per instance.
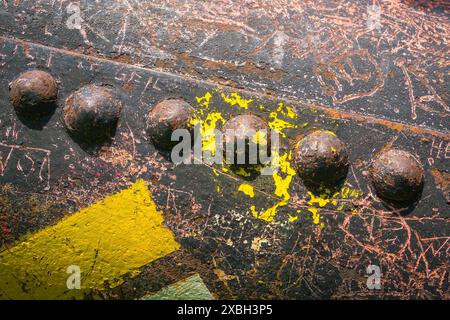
(33, 93)
(166, 117)
(92, 112)
(245, 130)
(321, 159)
(397, 176)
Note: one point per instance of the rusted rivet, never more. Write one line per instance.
(245, 130)
(166, 117)
(92, 112)
(397, 175)
(33, 93)
(321, 159)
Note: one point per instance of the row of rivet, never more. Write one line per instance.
(321, 158)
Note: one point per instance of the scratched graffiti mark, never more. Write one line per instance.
(406, 50)
(26, 161)
(439, 150)
(403, 250)
(422, 101)
(319, 31)
(333, 76)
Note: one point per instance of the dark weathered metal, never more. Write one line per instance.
(91, 113)
(377, 84)
(245, 130)
(167, 116)
(321, 159)
(397, 176)
(33, 93)
(352, 54)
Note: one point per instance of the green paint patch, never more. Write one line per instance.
(192, 288)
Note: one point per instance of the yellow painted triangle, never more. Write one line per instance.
(107, 240)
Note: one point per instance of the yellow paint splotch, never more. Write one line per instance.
(336, 200)
(107, 240)
(282, 179)
(247, 189)
(286, 111)
(321, 200)
(234, 99)
(207, 129)
(207, 121)
(315, 215)
(280, 120)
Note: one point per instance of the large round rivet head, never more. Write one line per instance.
(91, 113)
(321, 159)
(397, 175)
(33, 92)
(166, 117)
(245, 137)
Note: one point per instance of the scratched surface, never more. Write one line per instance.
(320, 51)
(373, 88)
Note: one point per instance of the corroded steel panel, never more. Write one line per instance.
(300, 67)
(388, 60)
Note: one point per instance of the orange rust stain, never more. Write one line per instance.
(396, 126)
(442, 180)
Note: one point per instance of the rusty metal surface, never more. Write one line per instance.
(397, 175)
(321, 159)
(164, 118)
(319, 51)
(375, 89)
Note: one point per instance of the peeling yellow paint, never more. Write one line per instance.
(207, 126)
(205, 100)
(286, 111)
(280, 120)
(235, 99)
(279, 125)
(321, 200)
(247, 189)
(283, 178)
(326, 198)
(266, 215)
(260, 138)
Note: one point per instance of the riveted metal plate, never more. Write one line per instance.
(387, 61)
(256, 237)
